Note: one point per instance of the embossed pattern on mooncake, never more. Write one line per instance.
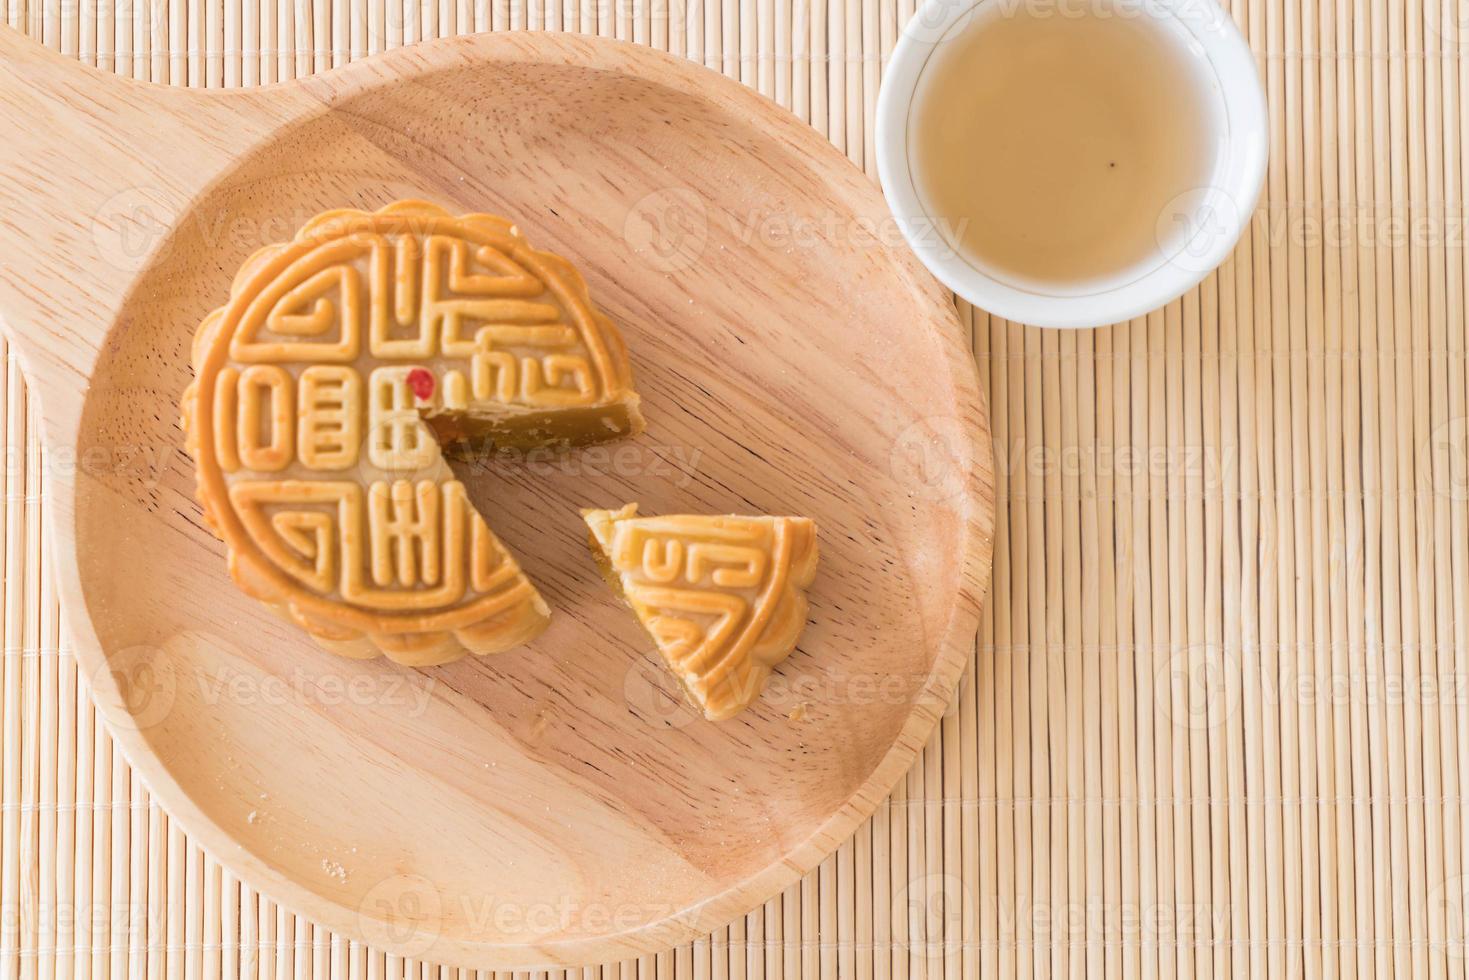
(307, 414)
(722, 596)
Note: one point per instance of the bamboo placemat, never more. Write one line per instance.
(1219, 708)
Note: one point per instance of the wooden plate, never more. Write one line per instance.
(555, 804)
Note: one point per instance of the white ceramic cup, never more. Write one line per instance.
(1208, 220)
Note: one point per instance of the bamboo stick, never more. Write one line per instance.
(986, 773)
(1012, 927)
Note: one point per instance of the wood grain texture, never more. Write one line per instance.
(1251, 825)
(551, 805)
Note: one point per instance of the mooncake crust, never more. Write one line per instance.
(306, 420)
(723, 597)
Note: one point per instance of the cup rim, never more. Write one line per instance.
(1227, 202)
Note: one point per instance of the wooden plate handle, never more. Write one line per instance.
(94, 169)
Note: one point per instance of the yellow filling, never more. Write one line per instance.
(604, 565)
(463, 436)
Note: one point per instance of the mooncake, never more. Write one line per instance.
(723, 597)
(319, 389)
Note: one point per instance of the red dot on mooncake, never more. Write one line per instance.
(421, 382)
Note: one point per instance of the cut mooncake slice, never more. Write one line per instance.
(723, 597)
(323, 388)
